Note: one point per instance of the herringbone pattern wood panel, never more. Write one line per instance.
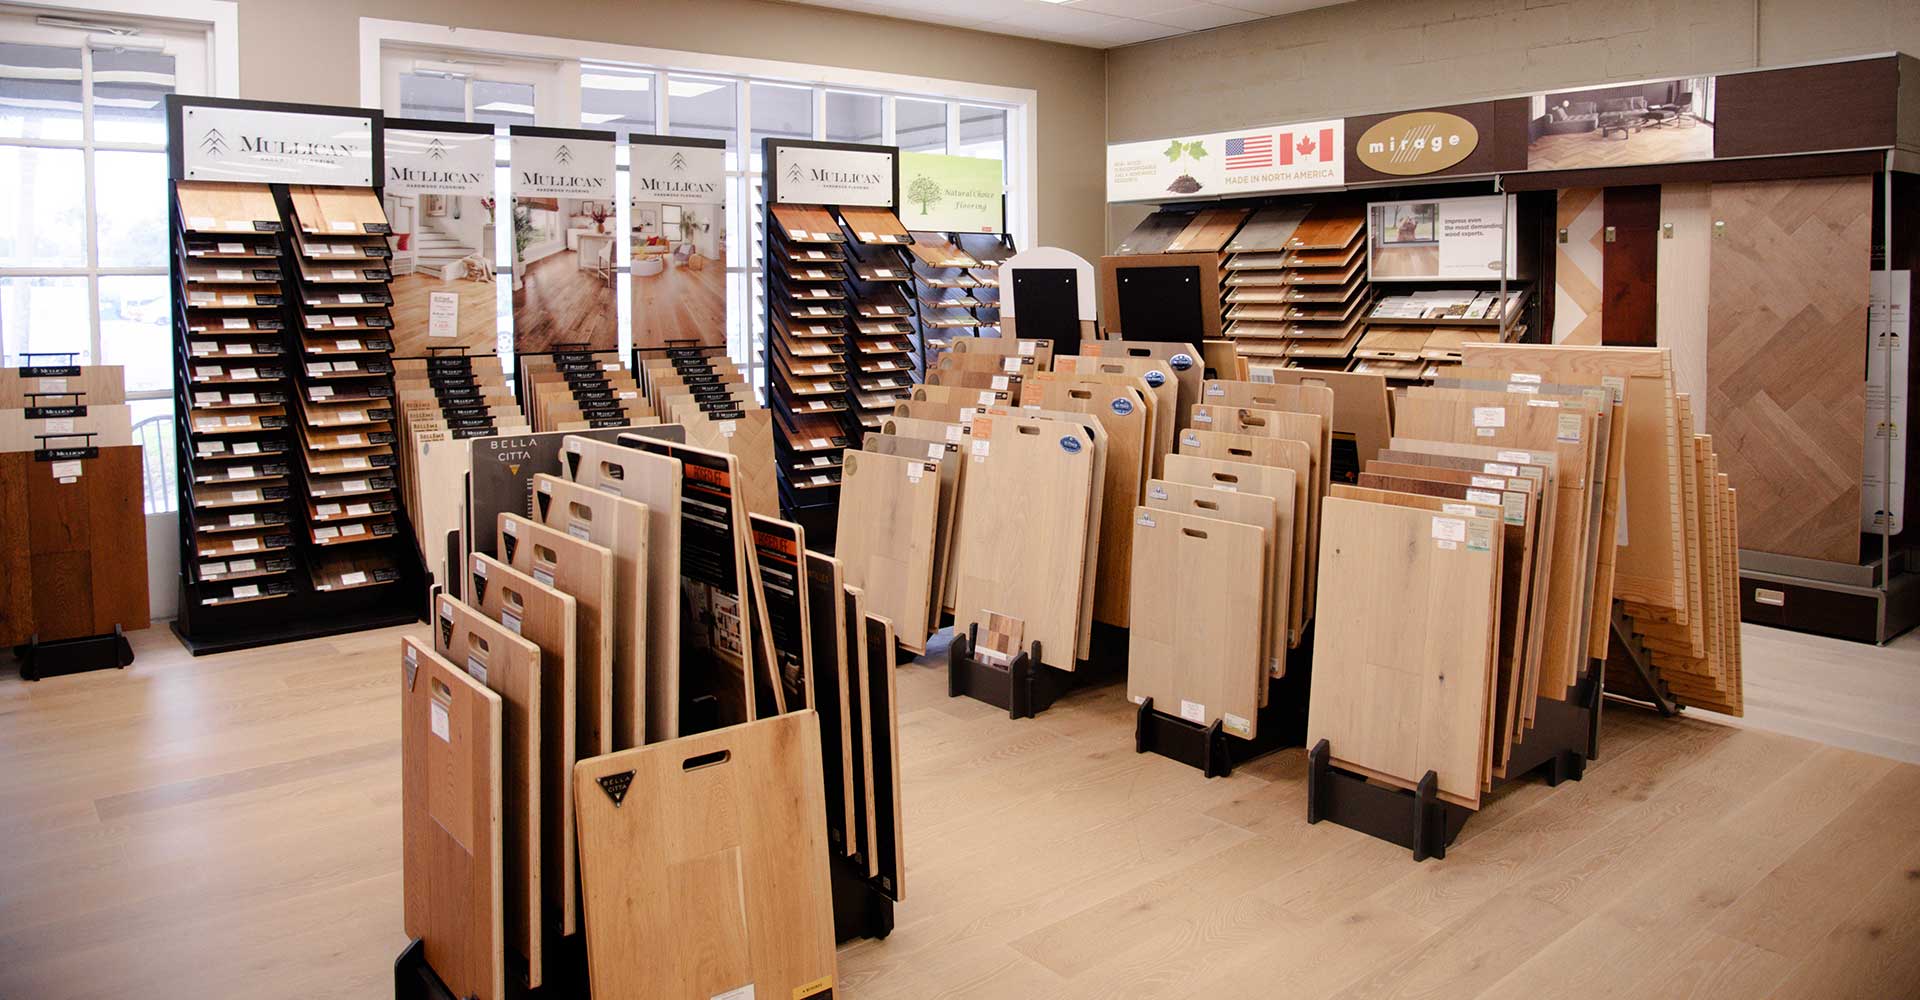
(1785, 359)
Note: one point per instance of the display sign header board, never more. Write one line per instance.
(458, 164)
(689, 175)
(275, 147)
(1423, 142)
(811, 176)
(1245, 162)
(545, 166)
(951, 194)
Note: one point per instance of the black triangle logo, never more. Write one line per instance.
(446, 625)
(510, 546)
(793, 172)
(413, 666)
(679, 161)
(564, 155)
(616, 785)
(213, 143)
(436, 149)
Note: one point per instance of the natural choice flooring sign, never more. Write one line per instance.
(1229, 164)
(951, 194)
(563, 240)
(439, 199)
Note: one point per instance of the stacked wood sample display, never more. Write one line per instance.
(440, 402)
(576, 390)
(73, 560)
(1296, 284)
(1163, 280)
(809, 347)
(240, 496)
(1415, 336)
(337, 248)
(883, 353)
(959, 297)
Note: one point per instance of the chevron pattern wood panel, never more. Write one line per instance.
(1786, 359)
(1577, 268)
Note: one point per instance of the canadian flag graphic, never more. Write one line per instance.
(1307, 147)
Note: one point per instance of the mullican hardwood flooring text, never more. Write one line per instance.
(230, 827)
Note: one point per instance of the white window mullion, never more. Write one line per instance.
(887, 133)
(953, 127)
(820, 113)
(88, 188)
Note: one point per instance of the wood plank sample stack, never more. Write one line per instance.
(441, 401)
(345, 432)
(1296, 285)
(1416, 336)
(810, 351)
(946, 280)
(882, 353)
(237, 452)
(577, 390)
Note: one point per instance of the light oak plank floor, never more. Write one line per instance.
(229, 827)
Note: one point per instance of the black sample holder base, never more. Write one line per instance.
(1214, 751)
(1026, 686)
(73, 656)
(564, 975)
(859, 908)
(1565, 736)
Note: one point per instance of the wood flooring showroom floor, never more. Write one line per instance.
(230, 826)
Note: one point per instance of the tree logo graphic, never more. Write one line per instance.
(679, 161)
(564, 155)
(436, 150)
(213, 144)
(925, 192)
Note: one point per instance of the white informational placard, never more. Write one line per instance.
(1884, 484)
(276, 147)
(808, 176)
(1251, 161)
(688, 175)
(459, 164)
(1458, 238)
(443, 314)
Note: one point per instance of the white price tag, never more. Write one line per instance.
(352, 579)
(1489, 416)
(352, 298)
(249, 590)
(443, 315)
(66, 472)
(1193, 711)
(243, 374)
(236, 324)
(1449, 529)
(236, 300)
(246, 545)
(356, 462)
(229, 274)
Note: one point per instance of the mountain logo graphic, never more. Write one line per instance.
(436, 149)
(793, 172)
(679, 161)
(213, 144)
(564, 155)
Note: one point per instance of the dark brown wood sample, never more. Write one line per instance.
(88, 543)
(1628, 307)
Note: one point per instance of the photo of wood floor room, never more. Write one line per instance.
(564, 279)
(442, 245)
(1406, 240)
(1664, 121)
(679, 274)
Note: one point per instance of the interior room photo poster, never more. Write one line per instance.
(678, 232)
(563, 231)
(1659, 121)
(440, 202)
(1439, 238)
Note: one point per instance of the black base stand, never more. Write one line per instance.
(1027, 686)
(859, 909)
(1282, 724)
(73, 656)
(1565, 736)
(1635, 667)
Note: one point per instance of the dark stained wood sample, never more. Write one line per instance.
(1631, 216)
(16, 573)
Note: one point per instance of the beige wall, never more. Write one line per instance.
(1384, 55)
(308, 50)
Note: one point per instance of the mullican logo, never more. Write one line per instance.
(213, 144)
(793, 172)
(679, 161)
(563, 155)
(437, 150)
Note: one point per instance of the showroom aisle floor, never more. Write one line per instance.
(229, 827)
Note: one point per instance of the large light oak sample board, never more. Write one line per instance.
(1409, 603)
(706, 866)
(646, 544)
(1021, 546)
(1123, 412)
(1280, 454)
(583, 571)
(450, 815)
(946, 454)
(544, 617)
(889, 513)
(1195, 644)
(1786, 359)
(510, 667)
(1276, 532)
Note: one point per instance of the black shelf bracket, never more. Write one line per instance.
(109, 651)
(1629, 653)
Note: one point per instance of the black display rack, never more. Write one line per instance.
(1026, 685)
(281, 602)
(1565, 736)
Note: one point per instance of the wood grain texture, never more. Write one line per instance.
(544, 617)
(1629, 268)
(725, 830)
(1125, 419)
(1579, 267)
(1195, 645)
(451, 821)
(1281, 454)
(1682, 268)
(1284, 486)
(509, 666)
(1263, 512)
(583, 571)
(860, 734)
(887, 533)
(16, 556)
(883, 720)
(1404, 646)
(833, 702)
(1786, 360)
(946, 455)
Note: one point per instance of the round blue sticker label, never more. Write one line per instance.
(1123, 406)
(1181, 362)
(1070, 444)
(1156, 378)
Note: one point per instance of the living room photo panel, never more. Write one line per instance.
(678, 232)
(1660, 121)
(564, 258)
(440, 201)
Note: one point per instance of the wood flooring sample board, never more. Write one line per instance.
(1404, 643)
(1259, 511)
(889, 513)
(1197, 592)
(583, 571)
(450, 815)
(705, 866)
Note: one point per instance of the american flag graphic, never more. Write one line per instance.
(1250, 152)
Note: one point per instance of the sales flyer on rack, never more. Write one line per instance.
(564, 259)
(439, 199)
(678, 234)
(1459, 238)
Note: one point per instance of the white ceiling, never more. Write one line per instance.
(1100, 24)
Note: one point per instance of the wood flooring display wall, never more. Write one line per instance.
(292, 521)
(958, 297)
(564, 257)
(1296, 284)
